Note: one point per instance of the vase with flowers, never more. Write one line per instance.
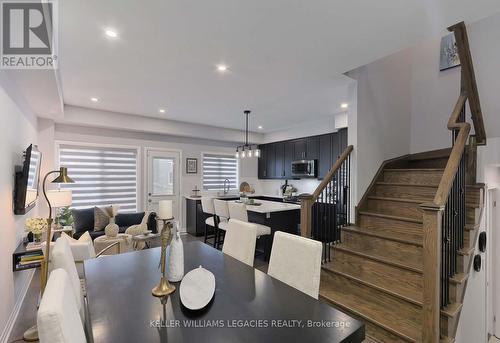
(37, 226)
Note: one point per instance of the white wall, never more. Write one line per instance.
(18, 131)
(434, 93)
(382, 121)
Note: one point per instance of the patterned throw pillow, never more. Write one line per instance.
(101, 217)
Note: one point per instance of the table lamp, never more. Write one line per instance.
(57, 199)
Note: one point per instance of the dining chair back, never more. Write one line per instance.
(62, 257)
(296, 261)
(221, 209)
(58, 320)
(207, 205)
(238, 211)
(240, 241)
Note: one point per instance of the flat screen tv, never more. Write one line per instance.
(27, 180)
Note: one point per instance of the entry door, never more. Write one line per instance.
(163, 174)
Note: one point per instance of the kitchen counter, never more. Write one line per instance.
(272, 206)
(232, 196)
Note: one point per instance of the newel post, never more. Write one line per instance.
(432, 236)
(306, 203)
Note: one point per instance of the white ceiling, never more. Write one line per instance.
(285, 57)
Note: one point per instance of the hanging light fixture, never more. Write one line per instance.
(247, 150)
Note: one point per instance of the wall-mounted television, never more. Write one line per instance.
(27, 180)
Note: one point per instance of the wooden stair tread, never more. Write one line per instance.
(377, 258)
(395, 236)
(459, 278)
(414, 169)
(342, 270)
(465, 251)
(383, 215)
(451, 310)
(413, 201)
(369, 311)
(406, 184)
(471, 226)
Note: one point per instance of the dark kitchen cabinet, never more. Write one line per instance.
(289, 157)
(271, 161)
(312, 148)
(279, 160)
(325, 155)
(276, 158)
(195, 217)
(299, 149)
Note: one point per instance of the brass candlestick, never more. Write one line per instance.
(164, 288)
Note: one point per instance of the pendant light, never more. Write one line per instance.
(247, 150)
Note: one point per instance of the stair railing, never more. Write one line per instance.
(444, 218)
(328, 209)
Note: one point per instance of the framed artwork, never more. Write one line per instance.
(448, 55)
(191, 165)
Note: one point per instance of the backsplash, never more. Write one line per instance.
(272, 187)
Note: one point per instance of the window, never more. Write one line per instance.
(103, 176)
(217, 168)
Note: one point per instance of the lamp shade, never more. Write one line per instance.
(60, 198)
(165, 209)
(63, 176)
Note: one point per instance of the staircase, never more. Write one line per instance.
(403, 267)
(376, 272)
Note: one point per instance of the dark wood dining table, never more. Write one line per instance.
(248, 305)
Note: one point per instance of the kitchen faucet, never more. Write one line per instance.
(228, 186)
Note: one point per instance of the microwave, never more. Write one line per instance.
(304, 168)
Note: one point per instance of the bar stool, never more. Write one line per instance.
(239, 211)
(207, 206)
(222, 213)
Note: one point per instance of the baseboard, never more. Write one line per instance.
(17, 306)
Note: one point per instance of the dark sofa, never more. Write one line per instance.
(83, 220)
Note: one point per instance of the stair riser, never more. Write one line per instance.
(380, 274)
(472, 216)
(421, 177)
(405, 192)
(449, 326)
(456, 292)
(432, 163)
(406, 315)
(398, 252)
(395, 208)
(469, 236)
(463, 263)
(386, 225)
(473, 197)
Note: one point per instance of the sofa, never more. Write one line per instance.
(83, 220)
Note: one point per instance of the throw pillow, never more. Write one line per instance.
(101, 218)
(83, 238)
(83, 219)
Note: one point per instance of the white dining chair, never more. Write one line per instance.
(222, 213)
(207, 206)
(58, 320)
(239, 211)
(240, 241)
(62, 257)
(296, 261)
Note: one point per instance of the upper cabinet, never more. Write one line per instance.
(276, 158)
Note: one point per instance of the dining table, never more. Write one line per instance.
(248, 305)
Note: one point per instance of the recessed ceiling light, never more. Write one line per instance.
(222, 67)
(344, 105)
(161, 110)
(260, 127)
(111, 33)
(94, 99)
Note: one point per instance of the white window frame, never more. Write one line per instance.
(225, 153)
(139, 186)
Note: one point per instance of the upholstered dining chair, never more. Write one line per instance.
(58, 320)
(207, 206)
(222, 213)
(62, 257)
(296, 261)
(240, 241)
(239, 211)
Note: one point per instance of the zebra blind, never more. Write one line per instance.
(217, 168)
(102, 175)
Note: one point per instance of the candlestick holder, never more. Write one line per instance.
(164, 288)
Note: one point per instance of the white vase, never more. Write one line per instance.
(175, 257)
(111, 230)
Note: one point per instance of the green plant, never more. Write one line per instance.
(64, 216)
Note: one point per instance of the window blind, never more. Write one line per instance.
(217, 168)
(103, 176)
